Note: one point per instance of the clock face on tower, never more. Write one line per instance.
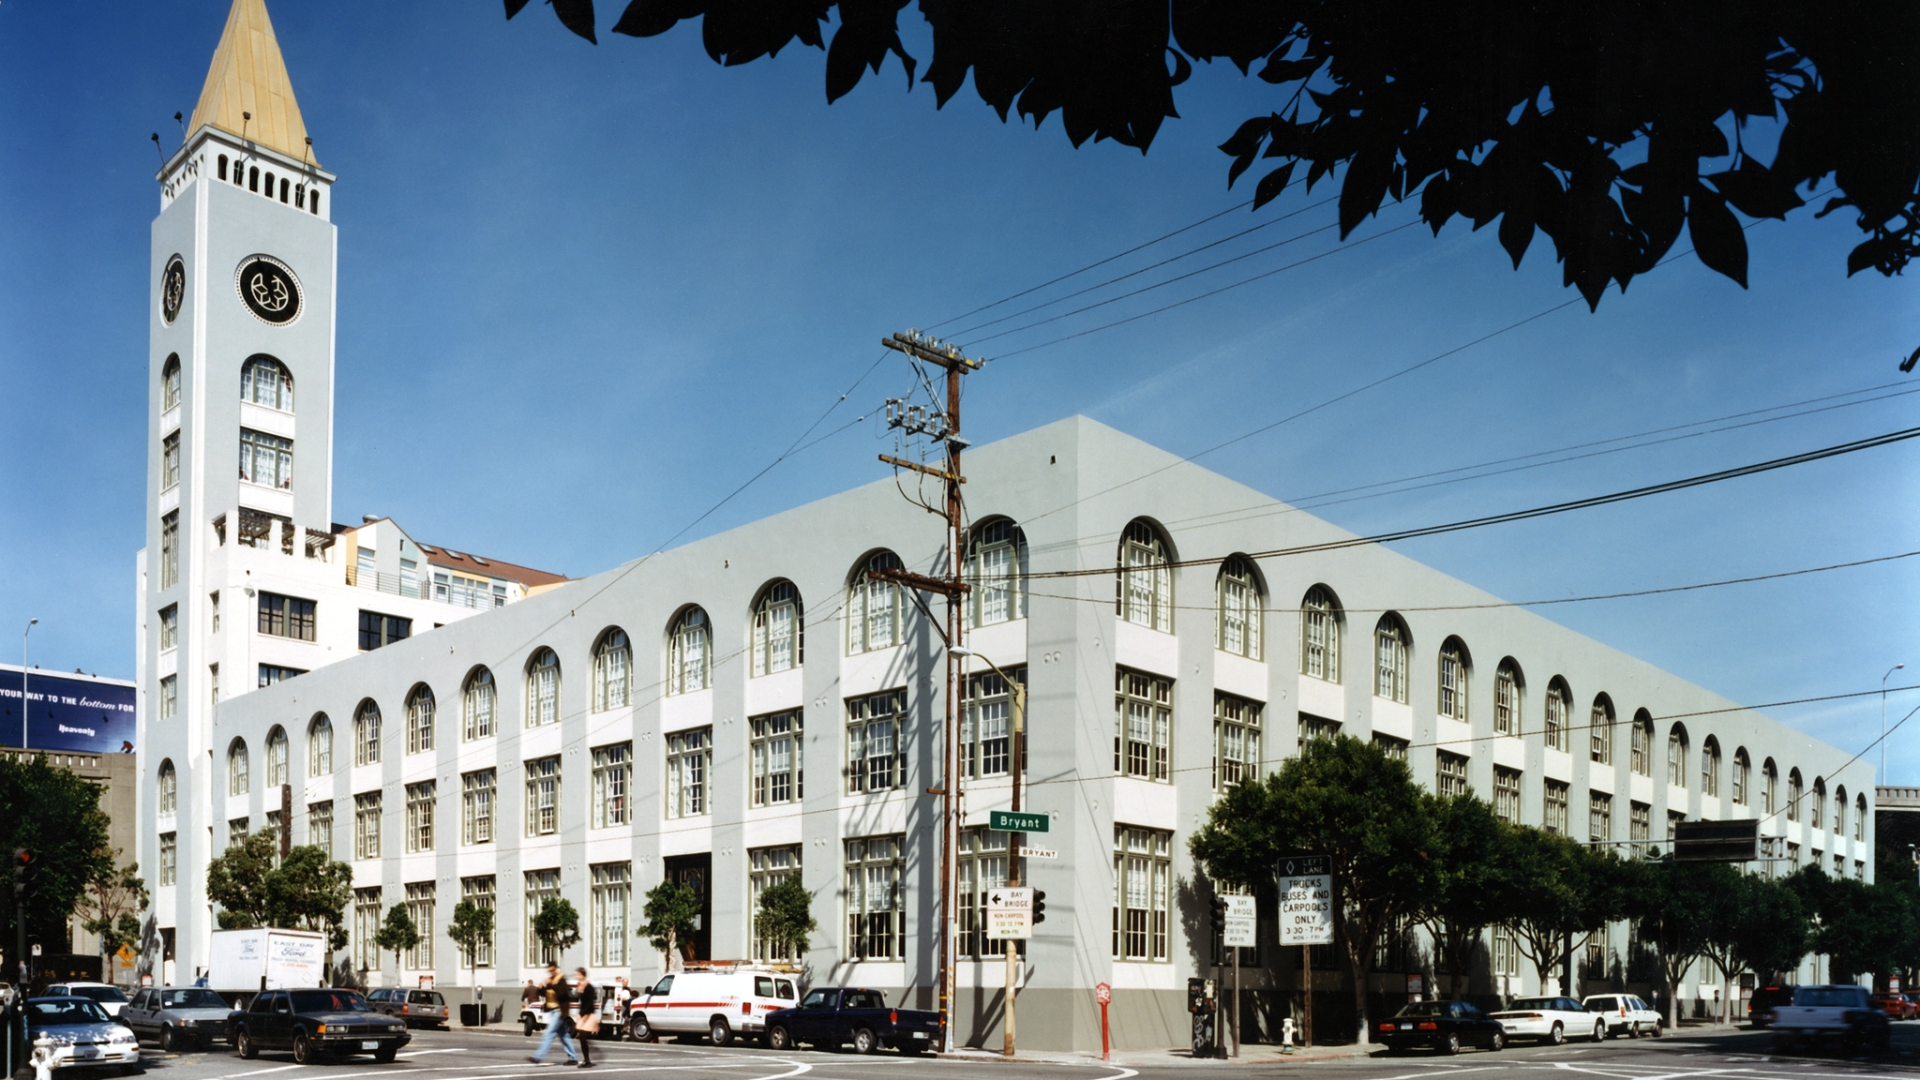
(173, 287)
(269, 289)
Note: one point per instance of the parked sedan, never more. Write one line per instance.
(1445, 1026)
(1896, 1006)
(108, 997)
(316, 1023)
(177, 1016)
(1550, 1020)
(1626, 1014)
(426, 1007)
(82, 1034)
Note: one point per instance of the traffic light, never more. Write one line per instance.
(1039, 905)
(1218, 917)
(22, 859)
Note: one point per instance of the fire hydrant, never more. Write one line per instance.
(1286, 1035)
(42, 1058)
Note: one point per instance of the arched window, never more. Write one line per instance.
(239, 777)
(1816, 805)
(1840, 811)
(1600, 730)
(1559, 707)
(253, 178)
(1710, 767)
(1320, 631)
(320, 746)
(689, 643)
(265, 381)
(420, 720)
(1642, 735)
(1860, 816)
(269, 185)
(1390, 647)
(1239, 608)
(779, 635)
(1677, 755)
(223, 167)
(1455, 664)
(873, 606)
(1742, 775)
(1508, 683)
(996, 568)
(543, 688)
(170, 383)
(169, 785)
(366, 734)
(313, 201)
(612, 664)
(279, 769)
(1769, 788)
(1795, 791)
(1144, 591)
(476, 706)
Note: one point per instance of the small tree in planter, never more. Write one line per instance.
(471, 926)
(785, 919)
(397, 934)
(557, 925)
(671, 910)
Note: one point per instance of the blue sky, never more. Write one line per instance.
(585, 291)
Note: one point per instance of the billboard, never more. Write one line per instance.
(68, 713)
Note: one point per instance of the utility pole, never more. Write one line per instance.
(1018, 693)
(942, 427)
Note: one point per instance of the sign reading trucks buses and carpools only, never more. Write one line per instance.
(1306, 900)
(68, 713)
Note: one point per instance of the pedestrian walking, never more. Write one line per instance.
(589, 1023)
(555, 996)
(622, 1003)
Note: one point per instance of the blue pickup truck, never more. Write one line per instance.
(830, 1017)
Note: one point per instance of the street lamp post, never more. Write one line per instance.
(1883, 720)
(23, 682)
(1017, 691)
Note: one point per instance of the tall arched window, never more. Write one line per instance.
(1816, 805)
(1860, 816)
(543, 688)
(1600, 730)
(239, 778)
(420, 720)
(1557, 713)
(265, 381)
(1710, 767)
(779, 635)
(1455, 663)
(1795, 791)
(873, 606)
(689, 645)
(169, 785)
(1320, 628)
(996, 568)
(366, 734)
(279, 769)
(1391, 643)
(476, 706)
(1677, 755)
(1642, 735)
(320, 746)
(1507, 686)
(1742, 775)
(170, 383)
(612, 664)
(1144, 592)
(1239, 609)
(1769, 788)
(1840, 811)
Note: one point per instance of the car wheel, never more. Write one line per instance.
(302, 1049)
(1599, 1030)
(864, 1041)
(1659, 1028)
(720, 1031)
(779, 1039)
(1449, 1044)
(1558, 1036)
(639, 1029)
(385, 1054)
(526, 1025)
(1499, 1042)
(244, 1044)
(168, 1039)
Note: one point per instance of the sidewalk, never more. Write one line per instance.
(1250, 1053)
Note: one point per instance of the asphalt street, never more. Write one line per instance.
(501, 1054)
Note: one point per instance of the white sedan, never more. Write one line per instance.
(1550, 1019)
(80, 1033)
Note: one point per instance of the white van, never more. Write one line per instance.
(721, 1003)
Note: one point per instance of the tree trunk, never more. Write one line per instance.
(1356, 962)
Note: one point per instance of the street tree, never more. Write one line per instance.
(1476, 855)
(111, 906)
(671, 910)
(1671, 906)
(397, 933)
(309, 890)
(1607, 128)
(785, 919)
(56, 815)
(1725, 894)
(1347, 800)
(237, 880)
(1772, 933)
(557, 925)
(472, 926)
(1563, 893)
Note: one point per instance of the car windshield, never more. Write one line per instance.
(59, 1012)
(191, 999)
(1534, 1003)
(1425, 1008)
(318, 1001)
(98, 993)
(1827, 996)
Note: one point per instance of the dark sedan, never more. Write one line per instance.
(315, 1024)
(1445, 1026)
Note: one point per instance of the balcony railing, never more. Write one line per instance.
(414, 588)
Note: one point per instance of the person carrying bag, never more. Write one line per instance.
(588, 1025)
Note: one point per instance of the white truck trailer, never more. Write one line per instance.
(265, 958)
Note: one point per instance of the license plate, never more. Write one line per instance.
(1406, 1027)
(919, 1034)
(370, 1044)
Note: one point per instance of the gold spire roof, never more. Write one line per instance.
(249, 76)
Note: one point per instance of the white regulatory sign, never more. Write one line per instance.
(1243, 923)
(1009, 914)
(1306, 910)
(1038, 853)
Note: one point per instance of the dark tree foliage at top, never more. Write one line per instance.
(1604, 126)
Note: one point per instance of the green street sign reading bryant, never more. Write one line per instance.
(1002, 821)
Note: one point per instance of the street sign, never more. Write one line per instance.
(1243, 923)
(1717, 841)
(1009, 914)
(1005, 821)
(1306, 905)
(1303, 865)
(1038, 852)
(1102, 993)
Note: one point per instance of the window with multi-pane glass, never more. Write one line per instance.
(874, 606)
(169, 549)
(477, 790)
(239, 777)
(266, 459)
(1558, 708)
(366, 734)
(169, 627)
(1599, 817)
(320, 826)
(1641, 734)
(1639, 826)
(1240, 610)
(774, 752)
(543, 796)
(1710, 773)
(1320, 635)
(1506, 794)
(1145, 586)
(1677, 757)
(982, 857)
(366, 926)
(612, 664)
(1314, 727)
(1555, 798)
(320, 746)
(767, 867)
(612, 778)
(1142, 873)
(1450, 773)
(1390, 660)
(476, 706)
(688, 643)
(607, 934)
(420, 816)
(1143, 725)
(366, 825)
(543, 689)
(1506, 700)
(1453, 681)
(1236, 740)
(986, 723)
(1600, 732)
(689, 763)
(480, 892)
(279, 769)
(286, 616)
(541, 886)
(876, 748)
(778, 635)
(420, 910)
(995, 570)
(876, 911)
(420, 721)
(265, 381)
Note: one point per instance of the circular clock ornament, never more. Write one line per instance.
(173, 288)
(269, 289)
